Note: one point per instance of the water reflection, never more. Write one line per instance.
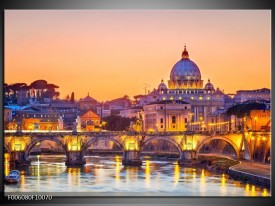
(6, 163)
(176, 174)
(117, 177)
(147, 173)
(48, 173)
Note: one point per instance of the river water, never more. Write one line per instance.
(105, 175)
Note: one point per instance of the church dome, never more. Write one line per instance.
(162, 86)
(185, 69)
(209, 86)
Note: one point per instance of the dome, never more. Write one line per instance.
(162, 86)
(209, 86)
(185, 69)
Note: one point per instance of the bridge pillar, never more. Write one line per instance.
(17, 159)
(187, 157)
(132, 158)
(75, 159)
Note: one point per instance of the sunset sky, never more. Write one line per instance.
(110, 53)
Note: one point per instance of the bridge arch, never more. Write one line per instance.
(41, 139)
(230, 142)
(162, 138)
(93, 140)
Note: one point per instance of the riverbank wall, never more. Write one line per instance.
(248, 177)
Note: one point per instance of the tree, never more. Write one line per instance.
(72, 97)
(117, 123)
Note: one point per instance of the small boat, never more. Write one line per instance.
(13, 177)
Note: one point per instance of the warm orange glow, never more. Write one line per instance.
(176, 173)
(95, 50)
(131, 144)
(7, 163)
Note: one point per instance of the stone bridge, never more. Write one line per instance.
(74, 144)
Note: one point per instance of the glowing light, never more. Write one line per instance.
(131, 144)
(200, 98)
(117, 177)
(223, 180)
(265, 193)
(192, 98)
(253, 191)
(176, 174)
(147, 173)
(6, 163)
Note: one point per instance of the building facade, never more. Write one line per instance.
(186, 85)
(167, 115)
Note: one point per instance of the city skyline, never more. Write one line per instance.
(109, 54)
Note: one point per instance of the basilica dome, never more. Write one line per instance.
(162, 86)
(209, 86)
(185, 69)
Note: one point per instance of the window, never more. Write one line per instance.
(173, 119)
(185, 107)
(161, 107)
(161, 120)
(161, 126)
(185, 120)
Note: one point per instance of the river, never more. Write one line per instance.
(105, 175)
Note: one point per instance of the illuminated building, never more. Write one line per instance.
(259, 120)
(167, 115)
(186, 85)
(89, 121)
(37, 120)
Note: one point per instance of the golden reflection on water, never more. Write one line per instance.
(6, 163)
(202, 182)
(147, 173)
(131, 174)
(253, 191)
(117, 176)
(22, 179)
(223, 180)
(265, 193)
(73, 176)
(176, 174)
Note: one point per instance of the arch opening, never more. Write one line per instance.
(37, 142)
(160, 145)
(102, 144)
(219, 146)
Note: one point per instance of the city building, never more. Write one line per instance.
(259, 120)
(90, 121)
(7, 114)
(257, 94)
(87, 103)
(167, 115)
(37, 120)
(116, 105)
(131, 112)
(186, 85)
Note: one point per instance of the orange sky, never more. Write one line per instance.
(113, 53)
